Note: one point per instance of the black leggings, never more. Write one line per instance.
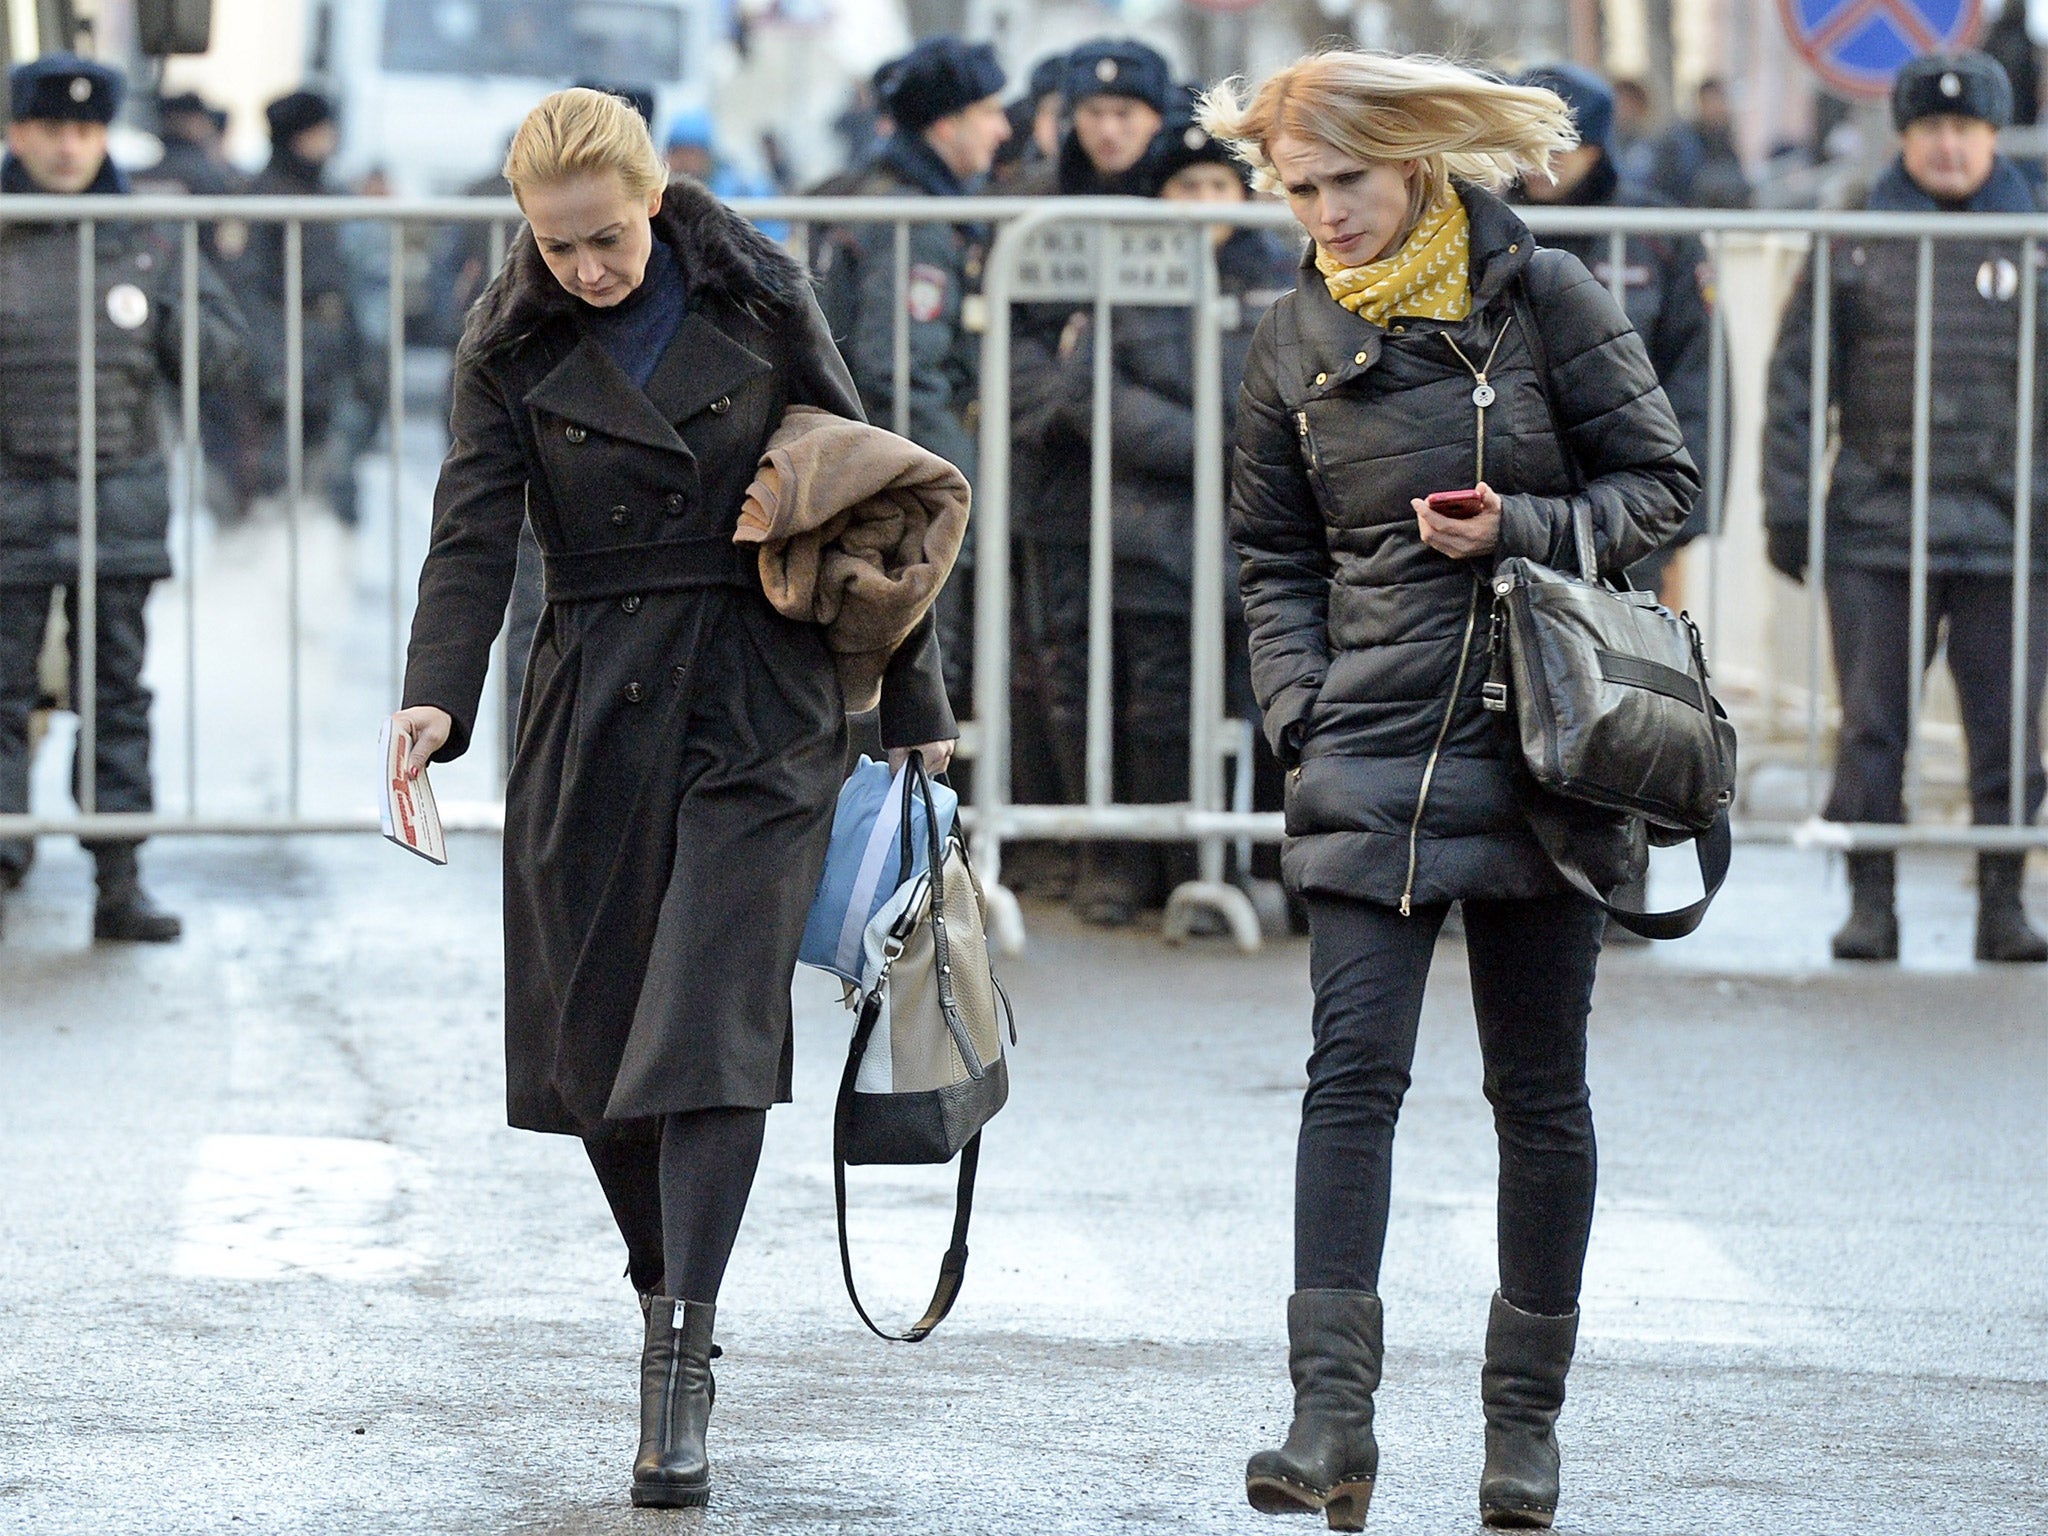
(1532, 968)
(678, 1201)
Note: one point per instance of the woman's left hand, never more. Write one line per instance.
(937, 754)
(1462, 538)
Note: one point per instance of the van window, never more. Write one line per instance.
(630, 41)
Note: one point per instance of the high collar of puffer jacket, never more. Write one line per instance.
(1337, 345)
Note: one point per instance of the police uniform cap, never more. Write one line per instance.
(293, 114)
(939, 77)
(1952, 85)
(639, 97)
(1184, 142)
(62, 87)
(1048, 78)
(1590, 98)
(1119, 66)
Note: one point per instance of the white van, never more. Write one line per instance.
(430, 90)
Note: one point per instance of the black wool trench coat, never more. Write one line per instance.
(681, 744)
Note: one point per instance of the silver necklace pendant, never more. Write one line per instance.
(1483, 396)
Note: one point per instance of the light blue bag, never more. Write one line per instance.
(864, 868)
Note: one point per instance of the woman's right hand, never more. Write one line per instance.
(429, 729)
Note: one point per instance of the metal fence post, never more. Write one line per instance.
(2025, 686)
(1716, 467)
(195, 496)
(1820, 384)
(899, 337)
(85, 640)
(295, 481)
(1205, 641)
(1101, 551)
(1916, 641)
(394, 425)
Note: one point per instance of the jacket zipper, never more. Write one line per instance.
(1482, 396)
(1308, 454)
(1429, 768)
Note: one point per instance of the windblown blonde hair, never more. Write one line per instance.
(1384, 107)
(577, 131)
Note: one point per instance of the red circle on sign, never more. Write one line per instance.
(1841, 80)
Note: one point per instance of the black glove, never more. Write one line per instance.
(1786, 547)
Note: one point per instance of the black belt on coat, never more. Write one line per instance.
(668, 565)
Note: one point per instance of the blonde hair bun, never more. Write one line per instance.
(1386, 108)
(580, 131)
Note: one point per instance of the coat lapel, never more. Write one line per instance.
(702, 365)
(590, 390)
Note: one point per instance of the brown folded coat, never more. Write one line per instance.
(858, 529)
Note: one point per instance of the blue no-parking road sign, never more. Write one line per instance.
(1858, 45)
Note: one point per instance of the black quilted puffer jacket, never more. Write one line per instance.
(1368, 647)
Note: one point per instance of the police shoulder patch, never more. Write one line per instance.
(927, 291)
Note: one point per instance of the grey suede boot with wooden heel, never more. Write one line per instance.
(673, 1470)
(1522, 1387)
(1330, 1460)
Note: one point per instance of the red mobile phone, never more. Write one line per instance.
(1457, 503)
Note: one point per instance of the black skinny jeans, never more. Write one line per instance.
(1532, 966)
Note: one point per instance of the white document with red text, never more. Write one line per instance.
(407, 805)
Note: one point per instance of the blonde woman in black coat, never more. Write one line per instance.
(681, 745)
(1405, 362)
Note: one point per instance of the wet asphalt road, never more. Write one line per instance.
(270, 1261)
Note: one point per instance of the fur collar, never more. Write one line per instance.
(724, 259)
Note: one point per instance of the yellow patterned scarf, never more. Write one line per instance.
(1429, 278)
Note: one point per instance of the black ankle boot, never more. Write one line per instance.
(1872, 932)
(2003, 932)
(1522, 1388)
(124, 913)
(672, 1470)
(1330, 1458)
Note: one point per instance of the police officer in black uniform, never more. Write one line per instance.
(57, 143)
(1664, 278)
(945, 98)
(1948, 110)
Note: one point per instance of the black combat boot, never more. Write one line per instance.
(672, 1470)
(124, 913)
(1330, 1458)
(1522, 1388)
(1872, 932)
(2003, 932)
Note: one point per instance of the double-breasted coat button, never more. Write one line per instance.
(619, 516)
(574, 434)
(672, 503)
(1322, 378)
(1360, 359)
(630, 604)
(634, 693)
(721, 405)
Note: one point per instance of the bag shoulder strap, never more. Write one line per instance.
(1715, 848)
(953, 1267)
(1539, 351)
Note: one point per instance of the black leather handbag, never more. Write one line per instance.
(1608, 695)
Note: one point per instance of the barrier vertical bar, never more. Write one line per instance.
(1617, 268)
(1916, 640)
(2024, 695)
(899, 341)
(295, 486)
(1817, 504)
(1716, 468)
(85, 676)
(195, 486)
(1205, 654)
(992, 568)
(497, 247)
(1101, 549)
(394, 427)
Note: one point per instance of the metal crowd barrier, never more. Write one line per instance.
(1097, 255)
